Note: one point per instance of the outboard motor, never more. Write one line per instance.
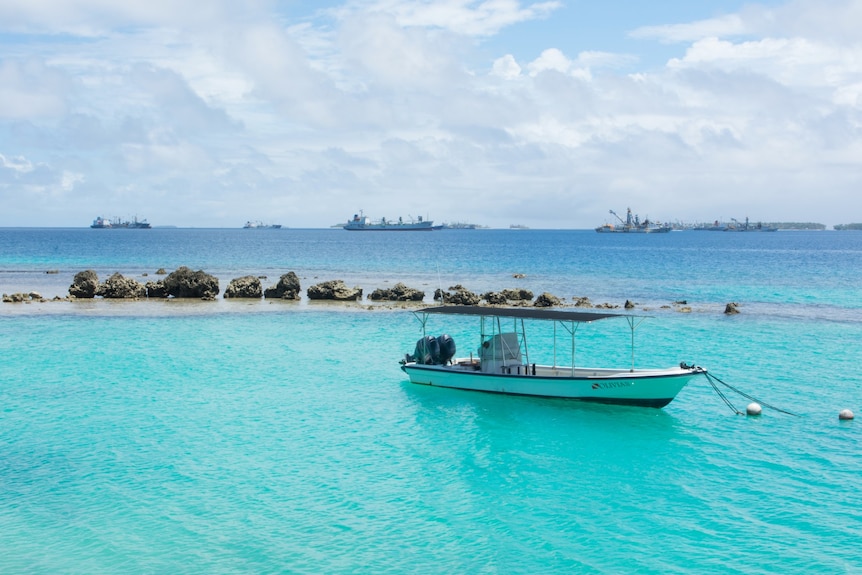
(427, 350)
(446, 345)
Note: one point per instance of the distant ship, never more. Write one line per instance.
(716, 226)
(361, 222)
(735, 226)
(256, 225)
(117, 223)
(749, 227)
(632, 225)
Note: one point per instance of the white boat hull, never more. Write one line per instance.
(641, 387)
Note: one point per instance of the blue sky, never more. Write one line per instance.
(544, 113)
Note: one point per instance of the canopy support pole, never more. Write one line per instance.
(633, 324)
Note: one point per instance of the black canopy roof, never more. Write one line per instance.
(520, 312)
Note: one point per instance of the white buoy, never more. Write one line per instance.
(845, 414)
(753, 409)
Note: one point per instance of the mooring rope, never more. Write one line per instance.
(720, 394)
(712, 379)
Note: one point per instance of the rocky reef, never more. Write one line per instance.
(334, 290)
(245, 287)
(399, 292)
(287, 288)
(119, 287)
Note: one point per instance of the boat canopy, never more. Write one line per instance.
(521, 312)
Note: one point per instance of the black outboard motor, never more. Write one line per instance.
(427, 350)
(446, 345)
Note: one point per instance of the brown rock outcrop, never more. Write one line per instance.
(156, 289)
(247, 287)
(22, 297)
(335, 290)
(546, 300)
(399, 292)
(494, 298)
(186, 283)
(119, 287)
(731, 308)
(517, 294)
(458, 295)
(84, 285)
(287, 288)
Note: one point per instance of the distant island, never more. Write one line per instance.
(736, 226)
(843, 227)
(797, 226)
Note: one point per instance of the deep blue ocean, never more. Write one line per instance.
(237, 436)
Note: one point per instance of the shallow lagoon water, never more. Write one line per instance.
(276, 437)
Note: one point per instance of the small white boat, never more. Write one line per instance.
(502, 362)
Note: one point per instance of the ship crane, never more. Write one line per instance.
(744, 227)
(628, 221)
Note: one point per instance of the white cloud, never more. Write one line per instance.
(787, 58)
(582, 66)
(25, 183)
(827, 71)
(506, 67)
(731, 25)
(68, 180)
(550, 59)
(849, 95)
(30, 89)
(403, 107)
(387, 55)
(91, 18)
(596, 59)
(467, 17)
(17, 165)
(829, 21)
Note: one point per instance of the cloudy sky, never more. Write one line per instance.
(545, 113)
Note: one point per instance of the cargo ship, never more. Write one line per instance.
(117, 223)
(257, 225)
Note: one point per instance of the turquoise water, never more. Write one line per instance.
(227, 437)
